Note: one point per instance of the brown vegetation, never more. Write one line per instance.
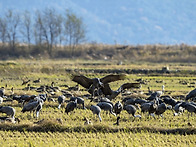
(150, 53)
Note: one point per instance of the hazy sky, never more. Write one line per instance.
(125, 21)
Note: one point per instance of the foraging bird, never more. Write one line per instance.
(71, 106)
(189, 107)
(27, 98)
(39, 108)
(96, 83)
(191, 94)
(107, 107)
(79, 101)
(61, 100)
(161, 108)
(149, 107)
(103, 99)
(96, 110)
(32, 106)
(9, 111)
(178, 108)
(170, 101)
(128, 100)
(140, 101)
(131, 110)
(118, 107)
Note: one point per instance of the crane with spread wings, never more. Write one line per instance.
(95, 84)
(99, 86)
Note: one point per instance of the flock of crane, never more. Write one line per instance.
(100, 91)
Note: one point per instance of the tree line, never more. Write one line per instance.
(40, 32)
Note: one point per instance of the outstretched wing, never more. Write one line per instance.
(106, 89)
(112, 78)
(130, 85)
(82, 80)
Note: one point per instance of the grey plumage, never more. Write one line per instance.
(118, 107)
(129, 101)
(140, 101)
(79, 101)
(10, 111)
(61, 100)
(131, 110)
(107, 107)
(32, 106)
(161, 108)
(178, 109)
(71, 106)
(103, 99)
(149, 107)
(26, 98)
(170, 101)
(96, 110)
(191, 94)
(189, 107)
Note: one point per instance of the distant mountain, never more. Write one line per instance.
(125, 21)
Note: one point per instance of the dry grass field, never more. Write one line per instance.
(56, 128)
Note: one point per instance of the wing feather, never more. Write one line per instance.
(112, 78)
(130, 85)
(82, 80)
(106, 89)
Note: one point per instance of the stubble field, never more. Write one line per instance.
(71, 131)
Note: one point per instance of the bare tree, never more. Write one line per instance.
(3, 30)
(74, 30)
(48, 27)
(26, 27)
(12, 19)
(38, 28)
(52, 28)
